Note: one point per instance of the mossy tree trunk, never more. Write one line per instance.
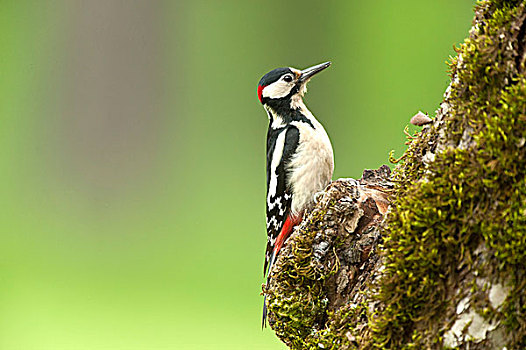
(445, 266)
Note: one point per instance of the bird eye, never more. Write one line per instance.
(287, 78)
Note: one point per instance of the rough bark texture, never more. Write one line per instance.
(445, 265)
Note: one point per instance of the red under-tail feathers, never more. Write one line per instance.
(286, 230)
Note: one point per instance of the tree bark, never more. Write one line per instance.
(434, 255)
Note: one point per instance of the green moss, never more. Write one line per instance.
(299, 310)
(461, 185)
(470, 194)
(294, 313)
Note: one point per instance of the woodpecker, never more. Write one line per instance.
(300, 159)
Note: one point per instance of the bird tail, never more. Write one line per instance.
(289, 224)
(265, 311)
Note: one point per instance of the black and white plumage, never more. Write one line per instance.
(300, 159)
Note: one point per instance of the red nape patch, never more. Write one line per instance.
(260, 92)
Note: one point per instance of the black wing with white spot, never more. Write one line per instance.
(281, 146)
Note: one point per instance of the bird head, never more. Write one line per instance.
(285, 87)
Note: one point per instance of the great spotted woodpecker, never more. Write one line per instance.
(300, 159)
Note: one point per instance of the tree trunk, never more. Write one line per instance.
(433, 255)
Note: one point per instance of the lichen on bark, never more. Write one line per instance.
(446, 266)
(321, 272)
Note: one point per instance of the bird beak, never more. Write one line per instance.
(308, 73)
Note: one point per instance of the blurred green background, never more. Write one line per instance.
(132, 153)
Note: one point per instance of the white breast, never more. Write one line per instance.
(312, 166)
